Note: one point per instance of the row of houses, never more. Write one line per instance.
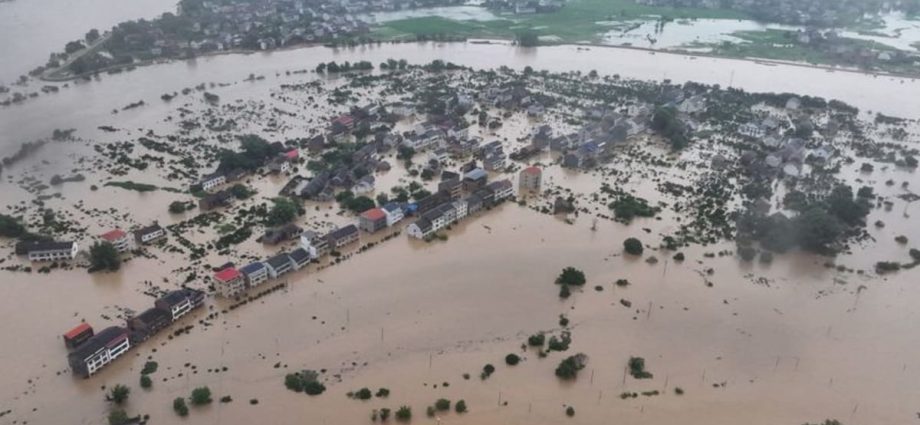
(452, 210)
(92, 351)
(231, 282)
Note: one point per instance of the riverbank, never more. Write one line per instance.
(48, 77)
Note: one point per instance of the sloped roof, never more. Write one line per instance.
(226, 275)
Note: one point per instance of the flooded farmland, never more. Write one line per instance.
(787, 342)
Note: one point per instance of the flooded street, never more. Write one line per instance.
(790, 342)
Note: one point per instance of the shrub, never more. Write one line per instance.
(563, 321)
(564, 292)
(314, 388)
(570, 411)
(460, 406)
(512, 359)
(914, 254)
(442, 404)
(679, 257)
(119, 394)
(404, 414)
(306, 381)
(560, 343)
(430, 411)
(637, 368)
(201, 396)
(569, 367)
(571, 276)
(149, 368)
(363, 394)
(118, 417)
(383, 393)
(180, 407)
(226, 399)
(747, 253)
(536, 340)
(487, 371)
(887, 266)
(678, 391)
(384, 414)
(146, 382)
(293, 382)
(633, 246)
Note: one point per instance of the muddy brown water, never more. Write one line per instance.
(786, 343)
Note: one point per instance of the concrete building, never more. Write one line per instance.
(98, 351)
(229, 282)
(342, 236)
(180, 302)
(78, 335)
(148, 323)
(149, 234)
(51, 251)
(119, 239)
(373, 220)
(394, 213)
(254, 273)
(279, 265)
(531, 178)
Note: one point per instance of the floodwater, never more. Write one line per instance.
(456, 13)
(32, 29)
(681, 33)
(36, 118)
(787, 343)
(897, 31)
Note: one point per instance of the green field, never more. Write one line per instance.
(577, 21)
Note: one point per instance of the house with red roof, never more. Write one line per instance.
(343, 123)
(118, 238)
(78, 335)
(229, 282)
(530, 179)
(373, 220)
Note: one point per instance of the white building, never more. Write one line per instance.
(52, 251)
(212, 180)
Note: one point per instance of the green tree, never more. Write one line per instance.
(404, 414)
(512, 359)
(119, 394)
(528, 38)
(118, 417)
(633, 246)
(92, 35)
(442, 404)
(360, 204)
(283, 211)
(177, 207)
(460, 406)
(637, 368)
(180, 407)
(146, 382)
(817, 230)
(104, 256)
(571, 276)
(201, 396)
(569, 367)
(10, 227)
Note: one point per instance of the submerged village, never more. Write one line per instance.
(311, 168)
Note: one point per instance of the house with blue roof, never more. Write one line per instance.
(255, 273)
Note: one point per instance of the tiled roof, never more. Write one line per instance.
(82, 327)
(227, 274)
(374, 214)
(113, 235)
